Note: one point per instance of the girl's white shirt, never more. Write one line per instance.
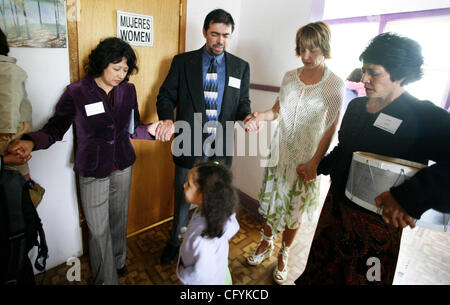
(205, 259)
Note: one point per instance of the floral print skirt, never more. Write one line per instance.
(284, 198)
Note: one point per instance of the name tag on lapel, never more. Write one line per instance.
(387, 123)
(94, 108)
(234, 82)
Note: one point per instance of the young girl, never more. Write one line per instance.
(204, 251)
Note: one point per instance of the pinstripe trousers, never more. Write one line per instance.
(105, 206)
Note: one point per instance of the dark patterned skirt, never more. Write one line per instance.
(351, 246)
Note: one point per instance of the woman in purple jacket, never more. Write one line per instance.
(104, 110)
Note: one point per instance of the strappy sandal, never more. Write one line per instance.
(256, 259)
(281, 276)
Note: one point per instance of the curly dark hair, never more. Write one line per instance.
(399, 55)
(4, 48)
(219, 196)
(111, 50)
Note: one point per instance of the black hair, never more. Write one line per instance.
(218, 16)
(4, 48)
(219, 196)
(111, 50)
(399, 55)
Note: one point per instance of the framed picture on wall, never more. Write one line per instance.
(34, 23)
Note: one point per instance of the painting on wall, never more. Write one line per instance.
(34, 23)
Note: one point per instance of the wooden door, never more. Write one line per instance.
(151, 198)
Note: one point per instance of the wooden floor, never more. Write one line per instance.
(424, 258)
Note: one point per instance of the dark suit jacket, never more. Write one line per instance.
(103, 142)
(183, 89)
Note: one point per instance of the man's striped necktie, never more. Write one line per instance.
(211, 96)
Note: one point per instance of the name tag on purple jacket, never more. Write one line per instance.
(94, 108)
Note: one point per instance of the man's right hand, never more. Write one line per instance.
(22, 148)
(165, 130)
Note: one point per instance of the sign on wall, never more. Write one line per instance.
(136, 29)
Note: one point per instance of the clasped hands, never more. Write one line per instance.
(252, 122)
(162, 130)
(18, 151)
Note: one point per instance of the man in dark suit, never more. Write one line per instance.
(201, 112)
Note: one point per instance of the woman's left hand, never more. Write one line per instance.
(151, 129)
(393, 213)
(307, 172)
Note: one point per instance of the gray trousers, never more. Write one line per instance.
(105, 206)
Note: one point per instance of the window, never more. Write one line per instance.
(429, 28)
(433, 85)
(348, 40)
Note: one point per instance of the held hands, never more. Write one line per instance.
(307, 172)
(12, 159)
(164, 130)
(18, 152)
(393, 213)
(151, 129)
(252, 122)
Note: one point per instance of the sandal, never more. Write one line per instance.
(281, 276)
(256, 259)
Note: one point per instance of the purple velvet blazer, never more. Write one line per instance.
(103, 139)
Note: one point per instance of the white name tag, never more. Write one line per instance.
(387, 123)
(94, 108)
(234, 82)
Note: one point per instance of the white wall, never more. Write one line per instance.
(48, 74)
(267, 42)
(267, 37)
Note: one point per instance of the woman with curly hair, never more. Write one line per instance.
(204, 251)
(104, 110)
(349, 238)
